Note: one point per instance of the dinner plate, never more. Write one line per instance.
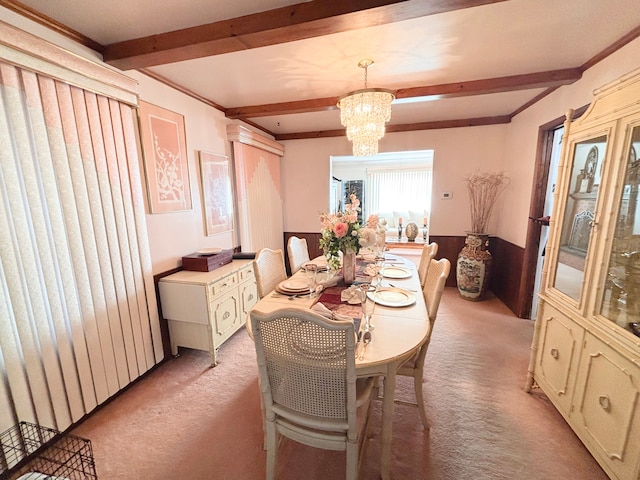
(396, 272)
(209, 251)
(293, 286)
(393, 297)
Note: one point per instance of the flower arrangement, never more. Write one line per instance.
(484, 188)
(341, 232)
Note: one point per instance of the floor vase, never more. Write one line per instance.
(474, 267)
(349, 267)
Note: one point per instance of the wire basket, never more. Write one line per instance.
(29, 451)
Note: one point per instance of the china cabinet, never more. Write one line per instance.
(585, 354)
(203, 309)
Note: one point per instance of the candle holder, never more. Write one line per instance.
(399, 231)
(424, 232)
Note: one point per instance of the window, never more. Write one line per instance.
(396, 190)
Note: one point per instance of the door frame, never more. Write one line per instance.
(536, 210)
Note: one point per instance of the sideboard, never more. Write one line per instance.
(204, 309)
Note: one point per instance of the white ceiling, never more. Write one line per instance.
(500, 39)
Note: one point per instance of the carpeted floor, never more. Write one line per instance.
(188, 421)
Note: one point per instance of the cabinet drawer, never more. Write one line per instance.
(606, 406)
(247, 273)
(222, 285)
(558, 355)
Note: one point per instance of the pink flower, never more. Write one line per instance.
(372, 221)
(340, 229)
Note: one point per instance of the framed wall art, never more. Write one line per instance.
(164, 148)
(217, 196)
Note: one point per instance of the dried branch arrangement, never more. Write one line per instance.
(484, 188)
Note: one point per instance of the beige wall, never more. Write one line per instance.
(172, 235)
(458, 151)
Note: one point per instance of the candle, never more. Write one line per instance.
(424, 221)
(399, 220)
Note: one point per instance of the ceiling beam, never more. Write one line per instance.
(287, 24)
(550, 79)
(407, 127)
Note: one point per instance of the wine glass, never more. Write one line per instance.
(310, 272)
(368, 305)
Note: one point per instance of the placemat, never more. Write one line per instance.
(330, 298)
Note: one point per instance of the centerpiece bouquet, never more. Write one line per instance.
(343, 234)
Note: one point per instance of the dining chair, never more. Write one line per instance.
(428, 253)
(308, 386)
(269, 270)
(414, 367)
(298, 253)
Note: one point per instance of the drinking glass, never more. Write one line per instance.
(310, 272)
(368, 305)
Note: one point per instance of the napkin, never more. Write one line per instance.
(325, 312)
(351, 295)
(326, 283)
(371, 270)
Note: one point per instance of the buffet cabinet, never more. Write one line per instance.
(585, 354)
(204, 309)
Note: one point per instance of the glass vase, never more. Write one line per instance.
(349, 267)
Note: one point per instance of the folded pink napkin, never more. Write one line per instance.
(325, 312)
(351, 295)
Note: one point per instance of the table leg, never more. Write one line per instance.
(388, 405)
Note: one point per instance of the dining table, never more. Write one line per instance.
(400, 326)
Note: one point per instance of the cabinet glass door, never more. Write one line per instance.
(621, 297)
(581, 201)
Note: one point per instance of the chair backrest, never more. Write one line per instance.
(269, 269)
(306, 364)
(434, 285)
(298, 253)
(428, 253)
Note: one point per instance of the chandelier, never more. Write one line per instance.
(364, 112)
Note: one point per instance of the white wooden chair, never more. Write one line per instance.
(269, 270)
(298, 252)
(307, 377)
(414, 367)
(428, 253)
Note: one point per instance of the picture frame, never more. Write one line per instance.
(217, 194)
(166, 164)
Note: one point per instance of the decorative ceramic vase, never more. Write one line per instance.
(412, 231)
(349, 267)
(474, 267)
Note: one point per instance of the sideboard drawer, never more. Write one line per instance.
(223, 285)
(247, 273)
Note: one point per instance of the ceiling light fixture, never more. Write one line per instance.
(364, 112)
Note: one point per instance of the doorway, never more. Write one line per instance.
(556, 148)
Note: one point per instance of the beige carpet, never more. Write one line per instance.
(188, 421)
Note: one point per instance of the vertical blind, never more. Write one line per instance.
(78, 315)
(398, 189)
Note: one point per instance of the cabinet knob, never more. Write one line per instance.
(604, 402)
(226, 315)
(554, 353)
(250, 297)
(593, 224)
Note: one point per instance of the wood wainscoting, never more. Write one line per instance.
(506, 270)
